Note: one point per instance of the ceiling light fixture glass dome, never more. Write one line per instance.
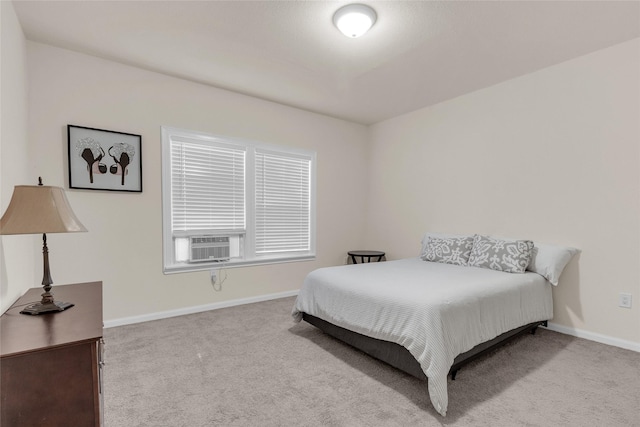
(353, 20)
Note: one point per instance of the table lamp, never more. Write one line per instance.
(36, 209)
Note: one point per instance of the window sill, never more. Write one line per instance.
(187, 268)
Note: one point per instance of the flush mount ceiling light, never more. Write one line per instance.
(353, 20)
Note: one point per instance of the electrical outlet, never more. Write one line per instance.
(624, 300)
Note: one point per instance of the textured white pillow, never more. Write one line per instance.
(549, 261)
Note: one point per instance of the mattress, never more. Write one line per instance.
(436, 311)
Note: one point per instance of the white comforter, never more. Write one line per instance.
(436, 311)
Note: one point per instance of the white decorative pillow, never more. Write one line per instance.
(453, 250)
(549, 261)
(500, 255)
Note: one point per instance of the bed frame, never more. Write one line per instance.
(399, 357)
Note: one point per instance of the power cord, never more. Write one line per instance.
(23, 305)
(218, 279)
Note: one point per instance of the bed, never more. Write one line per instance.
(427, 318)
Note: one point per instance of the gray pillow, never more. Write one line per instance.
(425, 240)
(501, 255)
(448, 250)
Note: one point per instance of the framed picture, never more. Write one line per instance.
(104, 160)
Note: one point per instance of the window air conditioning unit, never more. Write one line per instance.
(208, 248)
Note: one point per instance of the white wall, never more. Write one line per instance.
(19, 255)
(552, 156)
(123, 247)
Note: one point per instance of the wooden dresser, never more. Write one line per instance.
(50, 364)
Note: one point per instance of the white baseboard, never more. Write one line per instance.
(592, 336)
(196, 309)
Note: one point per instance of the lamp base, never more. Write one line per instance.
(40, 308)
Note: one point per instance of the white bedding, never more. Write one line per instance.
(434, 310)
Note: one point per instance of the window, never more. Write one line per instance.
(233, 201)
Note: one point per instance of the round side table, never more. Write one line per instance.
(365, 255)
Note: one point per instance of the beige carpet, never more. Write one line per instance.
(252, 366)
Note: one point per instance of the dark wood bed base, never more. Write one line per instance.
(399, 357)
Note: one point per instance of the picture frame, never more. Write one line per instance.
(102, 159)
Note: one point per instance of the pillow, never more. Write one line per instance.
(452, 250)
(549, 261)
(500, 255)
(425, 240)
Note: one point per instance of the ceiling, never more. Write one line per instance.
(417, 54)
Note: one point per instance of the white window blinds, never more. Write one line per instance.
(282, 203)
(207, 187)
(258, 198)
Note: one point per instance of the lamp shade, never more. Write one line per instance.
(36, 209)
